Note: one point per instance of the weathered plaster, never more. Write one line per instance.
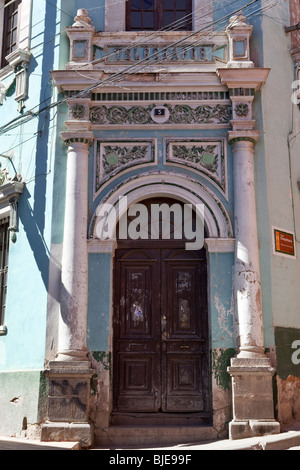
(220, 361)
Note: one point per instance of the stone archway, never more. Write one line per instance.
(167, 184)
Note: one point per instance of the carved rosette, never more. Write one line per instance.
(78, 111)
(242, 109)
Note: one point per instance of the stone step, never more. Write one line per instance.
(161, 419)
(126, 436)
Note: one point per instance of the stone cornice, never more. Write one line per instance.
(10, 190)
(82, 79)
(71, 80)
(252, 77)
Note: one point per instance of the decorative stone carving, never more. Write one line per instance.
(81, 19)
(68, 403)
(81, 36)
(78, 111)
(10, 190)
(19, 61)
(114, 157)
(242, 109)
(179, 114)
(155, 52)
(208, 157)
(7, 91)
(6, 178)
(239, 33)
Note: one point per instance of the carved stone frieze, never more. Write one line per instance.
(179, 114)
(155, 52)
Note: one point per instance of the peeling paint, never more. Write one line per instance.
(289, 399)
(103, 357)
(224, 317)
(101, 360)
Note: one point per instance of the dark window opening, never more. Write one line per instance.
(10, 29)
(154, 15)
(4, 245)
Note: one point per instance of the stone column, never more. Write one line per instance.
(69, 374)
(251, 371)
(72, 328)
(246, 275)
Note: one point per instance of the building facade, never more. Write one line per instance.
(111, 116)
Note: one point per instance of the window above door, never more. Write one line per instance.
(154, 15)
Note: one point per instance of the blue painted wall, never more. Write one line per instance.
(33, 155)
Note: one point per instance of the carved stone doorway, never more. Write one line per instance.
(160, 331)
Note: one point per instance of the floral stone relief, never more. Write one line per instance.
(179, 114)
(114, 157)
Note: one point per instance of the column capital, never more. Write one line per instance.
(78, 137)
(243, 136)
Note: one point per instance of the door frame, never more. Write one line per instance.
(167, 392)
(161, 417)
(220, 240)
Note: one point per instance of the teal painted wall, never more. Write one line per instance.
(23, 398)
(96, 10)
(99, 301)
(221, 303)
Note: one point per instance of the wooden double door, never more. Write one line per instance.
(160, 332)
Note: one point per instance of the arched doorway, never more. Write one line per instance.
(160, 329)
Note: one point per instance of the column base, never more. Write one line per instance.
(252, 398)
(252, 428)
(68, 432)
(68, 402)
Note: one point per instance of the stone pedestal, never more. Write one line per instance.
(252, 391)
(69, 374)
(68, 403)
(251, 372)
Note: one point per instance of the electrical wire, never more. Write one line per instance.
(145, 62)
(115, 77)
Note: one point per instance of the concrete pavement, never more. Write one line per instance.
(12, 443)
